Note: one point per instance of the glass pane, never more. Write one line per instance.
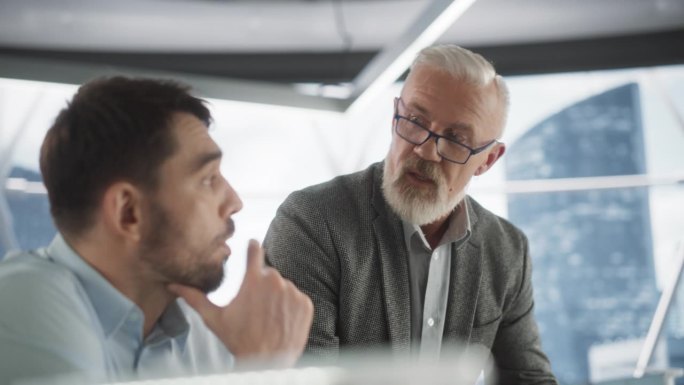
(585, 186)
(593, 174)
(26, 111)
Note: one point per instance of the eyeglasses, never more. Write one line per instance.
(448, 148)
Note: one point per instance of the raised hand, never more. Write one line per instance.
(268, 320)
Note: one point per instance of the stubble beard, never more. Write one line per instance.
(165, 251)
(419, 205)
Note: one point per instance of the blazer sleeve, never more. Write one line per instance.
(298, 244)
(517, 346)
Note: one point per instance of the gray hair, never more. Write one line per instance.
(465, 65)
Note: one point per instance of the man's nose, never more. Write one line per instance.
(428, 150)
(231, 203)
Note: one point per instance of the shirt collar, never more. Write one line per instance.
(459, 226)
(172, 324)
(111, 306)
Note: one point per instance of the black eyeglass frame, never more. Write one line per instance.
(431, 134)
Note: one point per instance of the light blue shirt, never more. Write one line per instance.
(59, 316)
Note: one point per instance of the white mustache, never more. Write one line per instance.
(425, 169)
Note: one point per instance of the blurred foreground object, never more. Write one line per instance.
(455, 368)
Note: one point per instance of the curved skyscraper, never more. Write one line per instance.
(592, 249)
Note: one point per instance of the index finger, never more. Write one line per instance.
(255, 257)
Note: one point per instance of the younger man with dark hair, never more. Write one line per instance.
(143, 214)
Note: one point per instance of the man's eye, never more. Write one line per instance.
(461, 139)
(416, 119)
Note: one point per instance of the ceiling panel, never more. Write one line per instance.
(311, 26)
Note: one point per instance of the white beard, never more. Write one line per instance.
(419, 205)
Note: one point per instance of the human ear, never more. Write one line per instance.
(122, 210)
(492, 156)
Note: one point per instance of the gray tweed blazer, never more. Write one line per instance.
(342, 245)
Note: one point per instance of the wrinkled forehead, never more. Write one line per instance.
(437, 92)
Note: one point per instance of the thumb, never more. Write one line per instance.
(255, 257)
(197, 300)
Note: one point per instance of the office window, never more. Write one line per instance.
(593, 174)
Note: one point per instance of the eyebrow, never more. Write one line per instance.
(455, 127)
(450, 128)
(204, 159)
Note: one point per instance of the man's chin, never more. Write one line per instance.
(418, 209)
(208, 282)
(209, 286)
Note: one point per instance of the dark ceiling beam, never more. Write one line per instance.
(660, 48)
(268, 67)
(241, 90)
(645, 50)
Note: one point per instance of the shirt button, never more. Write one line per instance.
(436, 257)
(431, 322)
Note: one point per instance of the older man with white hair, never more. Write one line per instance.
(398, 255)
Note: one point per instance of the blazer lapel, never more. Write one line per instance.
(466, 274)
(389, 238)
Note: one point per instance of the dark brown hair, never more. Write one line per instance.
(113, 129)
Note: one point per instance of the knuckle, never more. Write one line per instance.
(308, 305)
(271, 273)
(276, 281)
(291, 286)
